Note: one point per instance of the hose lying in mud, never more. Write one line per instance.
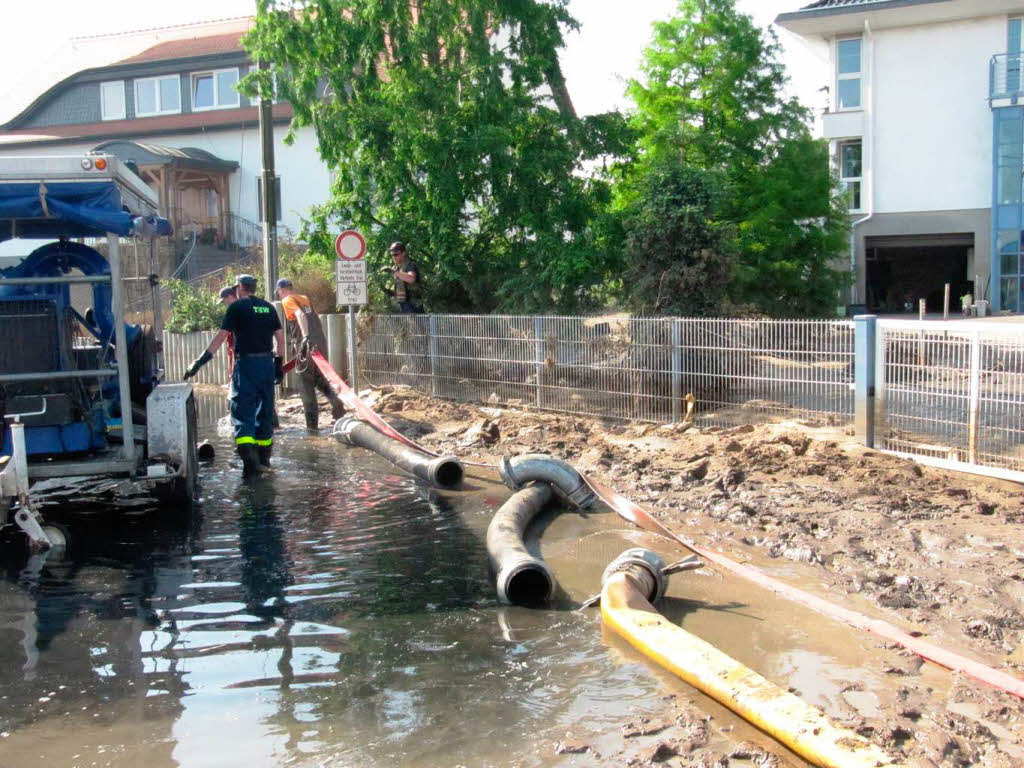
(638, 516)
(521, 578)
(629, 585)
(441, 471)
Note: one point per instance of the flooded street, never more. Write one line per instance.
(337, 613)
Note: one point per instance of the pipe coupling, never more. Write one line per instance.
(343, 427)
(517, 471)
(524, 580)
(648, 563)
(444, 471)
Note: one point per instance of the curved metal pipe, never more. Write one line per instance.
(443, 472)
(521, 578)
(517, 471)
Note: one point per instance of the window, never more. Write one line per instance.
(214, 90)
(210, 199)
(277, 195)
(1013, 55)
(112, 100)
(850, 172)
(157, 95)
(848, 73)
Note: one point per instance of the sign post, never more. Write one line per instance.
(350, 274)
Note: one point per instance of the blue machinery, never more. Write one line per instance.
(68, 381)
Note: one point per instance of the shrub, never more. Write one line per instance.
(193, 308)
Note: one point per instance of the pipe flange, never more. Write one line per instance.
(583, 497)
(343, 427)
(525, 581)
(445, 471)
(643, 558)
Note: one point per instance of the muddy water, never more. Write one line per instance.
(338, 613)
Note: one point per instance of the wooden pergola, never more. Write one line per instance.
(172, 171)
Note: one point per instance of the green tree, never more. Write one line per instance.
(448, 126)
(678, 258)
(712, 96)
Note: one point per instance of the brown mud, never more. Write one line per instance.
(934, 552)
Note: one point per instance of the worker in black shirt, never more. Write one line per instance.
(256, 328)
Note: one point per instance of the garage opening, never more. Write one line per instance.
(901, 270)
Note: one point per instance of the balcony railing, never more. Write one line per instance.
(235, 232)
(1004, 76)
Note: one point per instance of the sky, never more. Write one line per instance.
(597, 61)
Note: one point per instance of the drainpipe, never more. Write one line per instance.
(521, 578)
(868, 147)
(442, 472)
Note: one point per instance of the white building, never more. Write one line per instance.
(172, 109)
(925, 125)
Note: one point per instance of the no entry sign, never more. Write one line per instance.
(350, 245)
(350, 269)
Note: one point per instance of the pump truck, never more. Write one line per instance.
(81, 392)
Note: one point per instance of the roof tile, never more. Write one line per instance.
(194, 46)
(836, 4)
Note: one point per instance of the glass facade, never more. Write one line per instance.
(1007, 213)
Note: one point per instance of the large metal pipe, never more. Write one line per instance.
(521, 578)
(443, 472)
(517, 471)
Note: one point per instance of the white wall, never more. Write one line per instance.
(305, 180)
(932, 122)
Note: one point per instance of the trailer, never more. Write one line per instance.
(82, 394)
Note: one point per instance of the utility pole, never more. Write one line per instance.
(269, 185)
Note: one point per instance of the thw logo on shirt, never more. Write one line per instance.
(261, 310)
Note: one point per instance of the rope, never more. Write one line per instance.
(42, 200)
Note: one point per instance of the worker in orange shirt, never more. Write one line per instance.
(304, 325)
(229, 296)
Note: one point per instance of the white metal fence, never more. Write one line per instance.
(739, 371)
(180, 349)
(948, 393)
(953, 393)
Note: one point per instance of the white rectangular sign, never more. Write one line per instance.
(351, 281)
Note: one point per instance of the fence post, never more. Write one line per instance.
(538, 334)
(974, 398)
(432, 346)
(677, 369)
(864, 379)
(336, 343)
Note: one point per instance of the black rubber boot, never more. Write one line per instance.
(250, 461)
(263, 453)
(312, 421)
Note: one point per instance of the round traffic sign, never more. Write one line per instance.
(350, 245)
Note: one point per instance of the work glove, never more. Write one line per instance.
(278, 369)
(199, 362)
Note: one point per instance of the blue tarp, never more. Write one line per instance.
(71, 209)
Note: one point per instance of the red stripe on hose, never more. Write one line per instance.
(986, 674)
(354, 403)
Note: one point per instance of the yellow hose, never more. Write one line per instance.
(803, 728)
